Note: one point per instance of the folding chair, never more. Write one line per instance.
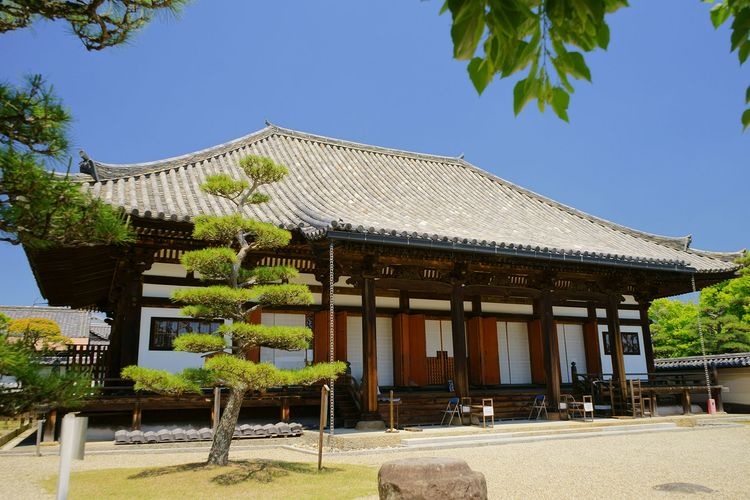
(539, 405)
(453, 409)
(588, 407)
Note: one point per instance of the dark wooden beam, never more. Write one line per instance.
(543, 310)
(369, 351)
(458, 333)
(615, 343)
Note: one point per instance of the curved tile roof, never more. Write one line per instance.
(728, 360)
(346, 186)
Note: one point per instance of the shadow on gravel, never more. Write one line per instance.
(238, 471)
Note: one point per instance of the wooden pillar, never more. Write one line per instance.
(401, 351)
(285, 413)
(460, 366)
(475, 339)
(321, 337)
(137, 414)
(591, 342)
(417, 350)
(615, 343)
(340, 336)
(254, 317)
(369, 351)
(49, 426)
(543, 310)
(490, 352)
(648, 347)
(536, 352)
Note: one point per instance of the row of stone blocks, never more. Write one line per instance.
(280, 429)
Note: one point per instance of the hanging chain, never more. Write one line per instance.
(703, 344)
(331, 332)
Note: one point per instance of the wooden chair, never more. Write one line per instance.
(538, 405)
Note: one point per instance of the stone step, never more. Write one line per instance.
(535, 435)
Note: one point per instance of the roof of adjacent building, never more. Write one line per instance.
(730, 360)
(73, 323)
(338, 186)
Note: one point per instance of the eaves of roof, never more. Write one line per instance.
(347, 190)
(729, 360)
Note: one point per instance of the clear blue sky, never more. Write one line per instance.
(654, 143)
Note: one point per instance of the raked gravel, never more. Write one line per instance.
(710, 461)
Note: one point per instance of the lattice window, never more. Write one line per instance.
(165, 330)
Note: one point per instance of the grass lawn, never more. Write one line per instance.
(240, 479)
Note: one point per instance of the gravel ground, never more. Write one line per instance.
(690, 462)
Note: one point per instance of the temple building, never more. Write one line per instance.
(444, 275)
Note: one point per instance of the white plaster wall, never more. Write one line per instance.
(171, 270)
(384, 347)
(161, 291)
(575, 312)
(634, 364)
(492, 307)
(513, 351)
(738, 381)
(162, 360)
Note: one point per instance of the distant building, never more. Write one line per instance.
(731, 370)
(80, 326)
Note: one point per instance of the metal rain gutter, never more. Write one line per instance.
(506, 251)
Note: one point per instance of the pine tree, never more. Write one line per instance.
(242, 291)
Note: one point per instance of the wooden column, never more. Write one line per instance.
(491, 373)
(648, 347)
(417, 350)
(591, 342)
(460, 366)
(340, 336)
(615, 343)
(369, 352)
(321, 337)
(536, 352)
(401, 349)
(475, 339)
(543, 310)
(254, 317)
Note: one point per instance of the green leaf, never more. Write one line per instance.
(576, 66)
(747, 95)
(468, 26)
(481, 73)
(559, 101)
(521, 96)
(746, 119)
(198, 342)
(602, 36)
(744, 51)
(719, 14)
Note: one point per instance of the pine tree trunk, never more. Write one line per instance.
(219, 454)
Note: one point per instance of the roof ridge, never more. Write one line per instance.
(93, 167)
(362, 146)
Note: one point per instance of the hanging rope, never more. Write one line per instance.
(703, 344)
(331, 331)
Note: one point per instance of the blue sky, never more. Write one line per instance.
(654, 143)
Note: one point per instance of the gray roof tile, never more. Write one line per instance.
(334, 184)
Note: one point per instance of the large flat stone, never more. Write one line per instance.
(430, 478)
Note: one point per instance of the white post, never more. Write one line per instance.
(72, 445)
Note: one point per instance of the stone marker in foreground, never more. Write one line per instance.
(430, 478)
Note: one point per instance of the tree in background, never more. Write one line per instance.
(37, 333)
(98, 23)
(26, 384)
(724, 318)
(242, 291)
(38, 207)
(547, 37)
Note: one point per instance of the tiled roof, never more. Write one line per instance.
(336, 185)
(731, 360)
(74, 323)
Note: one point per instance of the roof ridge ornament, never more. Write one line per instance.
(87, 165)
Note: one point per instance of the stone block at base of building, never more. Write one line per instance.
(370, 425)
(430, 477)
